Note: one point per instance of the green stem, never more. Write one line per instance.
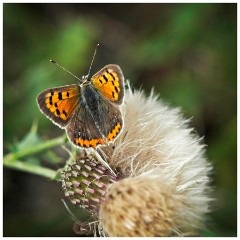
(11, 160)
(27, 167)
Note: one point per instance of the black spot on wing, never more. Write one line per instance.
(116, 89)
(58, 112)
(60, 96)
(50, 100)
(112, 76)
(105, 78)
(64, 112)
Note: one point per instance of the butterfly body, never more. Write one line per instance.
(89, 112)
(91, 98)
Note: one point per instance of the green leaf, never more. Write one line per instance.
(29, 140)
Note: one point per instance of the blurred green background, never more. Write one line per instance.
(187, 52)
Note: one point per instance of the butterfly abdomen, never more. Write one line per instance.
(92, 101)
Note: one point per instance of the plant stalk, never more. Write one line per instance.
(12, 160)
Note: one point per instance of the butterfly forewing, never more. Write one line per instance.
(109, 82)
(59, 103)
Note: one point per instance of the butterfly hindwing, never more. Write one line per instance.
(60, 103)
(109, 82)
(111, 120)
(82, 130)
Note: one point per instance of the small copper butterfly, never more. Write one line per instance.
(88, 111)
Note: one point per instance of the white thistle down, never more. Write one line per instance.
(157, 143)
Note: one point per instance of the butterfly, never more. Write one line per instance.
(88, 111)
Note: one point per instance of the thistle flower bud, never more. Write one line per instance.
(139, 207)
(85, 182)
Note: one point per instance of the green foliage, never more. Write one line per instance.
(22, 156)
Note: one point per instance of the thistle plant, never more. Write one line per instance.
(155, 180)
(85, 182)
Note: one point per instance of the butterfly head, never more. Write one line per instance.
(85, 80)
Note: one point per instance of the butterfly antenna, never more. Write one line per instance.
(92, 60)
(52, 61)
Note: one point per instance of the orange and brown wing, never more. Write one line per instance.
(109, 82)
(111, 120)
(82, 130)
(89, 129)
(59, 104)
